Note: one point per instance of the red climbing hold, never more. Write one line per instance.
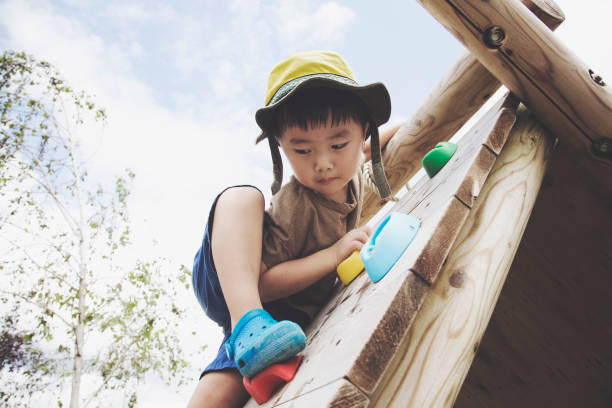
(265, 383)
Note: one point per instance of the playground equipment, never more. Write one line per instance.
(350, 268)
(417, 337)
(382, 250)
(387, 244)
(438, 157)
(265, 383)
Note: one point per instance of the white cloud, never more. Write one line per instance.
(326, 24)
(127, 11)
(225, 80)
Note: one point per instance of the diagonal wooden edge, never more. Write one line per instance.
(434, 357)
(337, 336)
(339, 393)
(357, 333)
(442, 203)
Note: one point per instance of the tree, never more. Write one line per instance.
(66, 274)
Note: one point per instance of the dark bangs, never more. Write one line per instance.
(311, 107)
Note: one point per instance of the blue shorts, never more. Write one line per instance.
(210, 296)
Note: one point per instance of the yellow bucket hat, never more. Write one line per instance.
(323, 69)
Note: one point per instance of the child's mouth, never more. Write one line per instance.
(326, 180)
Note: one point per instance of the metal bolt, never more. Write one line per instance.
(494, 36)
(603, 147)
(597, 78)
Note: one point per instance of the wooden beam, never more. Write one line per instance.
(535, 65)
(434, 357)
(458, 95)
(547, 11)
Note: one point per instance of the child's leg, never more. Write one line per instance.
(257, 339)
(219, 389)
(236, 248)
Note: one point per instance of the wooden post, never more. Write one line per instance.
(458, 95)
(435, 356)
(560, 89)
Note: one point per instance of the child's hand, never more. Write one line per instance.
(352, 241)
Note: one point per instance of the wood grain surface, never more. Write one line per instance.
(536, 66)
(434, 358)
(337, 394)
(443, 202)
(548, 342)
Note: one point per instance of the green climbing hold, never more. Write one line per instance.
(438, 157)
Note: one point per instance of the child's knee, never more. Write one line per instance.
(242, 197)
(219, 389)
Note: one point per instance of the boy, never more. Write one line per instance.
(262, 288)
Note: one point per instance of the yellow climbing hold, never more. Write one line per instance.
(350, 268)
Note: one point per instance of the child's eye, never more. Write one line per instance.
(339, 146)
(302, 151)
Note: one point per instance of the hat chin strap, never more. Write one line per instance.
(380, 178)
(277, 165)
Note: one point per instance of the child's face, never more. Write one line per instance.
(325, 158)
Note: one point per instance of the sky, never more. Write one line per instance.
(181, 82)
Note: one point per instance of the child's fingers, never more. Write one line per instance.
(363, 231)
(354, 240)
(362, 237)
(358, 236)
(358, 241)
(366, 228)
(355, 246)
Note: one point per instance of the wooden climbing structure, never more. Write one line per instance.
(502, 298)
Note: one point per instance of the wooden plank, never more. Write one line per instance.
(353, 330)
(337, 394)
(548, 342)
(536, 66)
(458, 95)
(442, 203)
(434, 358)
(463, 175)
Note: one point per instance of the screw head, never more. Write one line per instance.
(603, 147)
(596, 78)
(494, 36)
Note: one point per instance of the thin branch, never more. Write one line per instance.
(106, 380)
(39, 266)
(63, 253)
(47, 187)
(42, 307)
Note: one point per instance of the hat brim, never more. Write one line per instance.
(374, 96)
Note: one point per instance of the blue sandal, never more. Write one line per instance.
(258, 341)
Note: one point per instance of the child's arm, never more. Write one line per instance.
(290, 277)
(383, 137)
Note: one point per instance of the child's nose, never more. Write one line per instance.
(323, 164)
